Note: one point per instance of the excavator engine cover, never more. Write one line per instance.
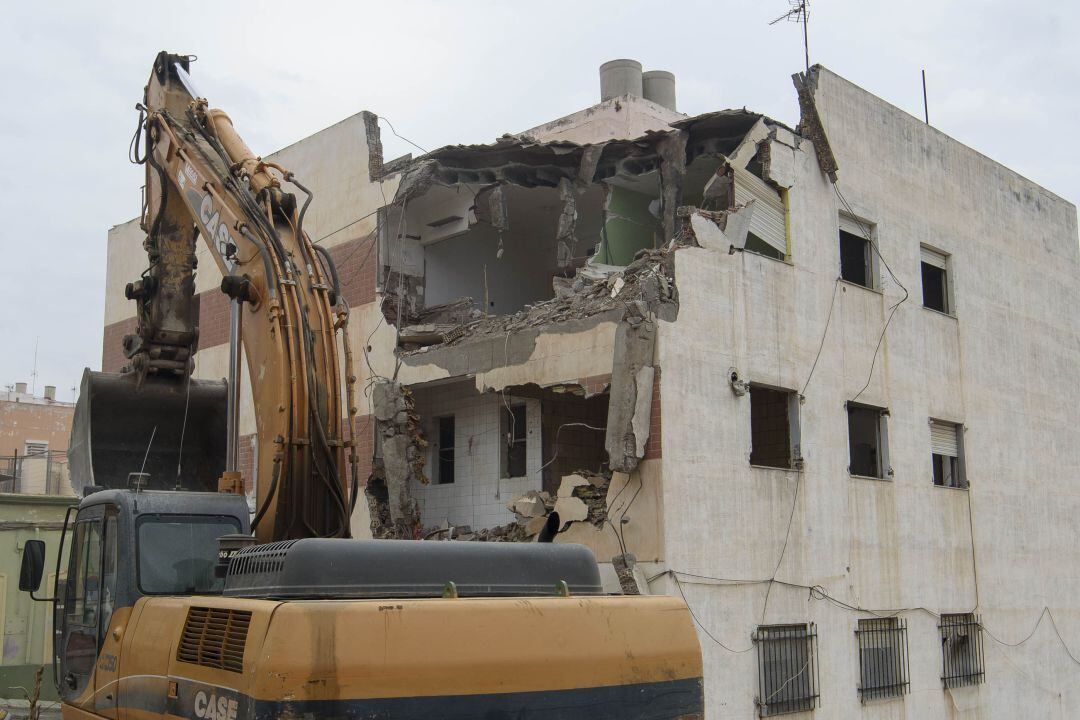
(122, 426)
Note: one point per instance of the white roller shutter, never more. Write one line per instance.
(943, 439)
(855, 227)
(767, 222)
(933, 258)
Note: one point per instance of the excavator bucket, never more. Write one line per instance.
(169, 428)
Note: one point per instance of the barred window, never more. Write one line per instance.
(883, 658)
(961, 650)
(787, 668)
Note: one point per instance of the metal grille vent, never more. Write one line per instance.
(215, 637)
(268, 558)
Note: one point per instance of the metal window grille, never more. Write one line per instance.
(787, 668)
(961, 650)
(883, 658)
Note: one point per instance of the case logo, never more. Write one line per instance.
(214, 706)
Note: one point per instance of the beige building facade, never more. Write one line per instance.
(34, 434)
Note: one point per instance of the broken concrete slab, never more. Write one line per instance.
(642, 408)
(722, 231)
(635, 340)
(569, 483)
(571, 509)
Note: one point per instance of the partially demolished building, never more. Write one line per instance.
(785, 373)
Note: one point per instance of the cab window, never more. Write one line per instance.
(177, 553)
(86, 583)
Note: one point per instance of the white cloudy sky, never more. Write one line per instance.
(1004, 78)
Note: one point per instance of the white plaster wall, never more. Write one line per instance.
(621, 118)
(1006, 366)
(125, 261)
(478, 495)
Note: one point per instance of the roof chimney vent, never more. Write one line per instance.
(50, 392)
(20, 388)
(620, 77)
(659, 86)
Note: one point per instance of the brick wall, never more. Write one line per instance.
(112, 347)
(356, 261)
(652, 447)
(212, 316)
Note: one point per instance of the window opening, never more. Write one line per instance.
(444, 474)
(856, 255)
(515, 433)
(866, 441)
(945, 446)
(773, 427)
(935, 281)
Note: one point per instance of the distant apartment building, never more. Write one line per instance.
(819, 381)
(34, 433)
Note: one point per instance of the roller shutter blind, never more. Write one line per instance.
(852, 226)
(933, 258)
(943, 439)
(767, 222)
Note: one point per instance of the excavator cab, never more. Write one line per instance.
(125, 544)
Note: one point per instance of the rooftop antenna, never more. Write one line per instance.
(33, 375)
(799, 13)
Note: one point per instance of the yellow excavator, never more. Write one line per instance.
(180, 600)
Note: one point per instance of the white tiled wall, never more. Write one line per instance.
(478, 495)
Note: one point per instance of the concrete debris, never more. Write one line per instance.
(582, 497)
(565, 238)
(398, 460)
(624, 568)
(635, 340)
(810, 125)
(649, 281)
(571, 509)
(529, 506)
(718, 230)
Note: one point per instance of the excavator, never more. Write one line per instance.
(176, 598)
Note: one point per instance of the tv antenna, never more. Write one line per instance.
(799, 13)
(33, 375)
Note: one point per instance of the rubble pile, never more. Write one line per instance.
(582, 497)
(648, 281)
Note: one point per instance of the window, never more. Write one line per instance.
(515, 435)
(935, 281)
(883, 658)
(36, 448)
(108, 586)
(867, 441)
(946, 440)
(961, 650)
(774, 427)
(82, 602)
(177, 553)
(857, 263)
(787, 668)
(444, 451)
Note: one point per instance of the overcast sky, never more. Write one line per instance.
(1004, 78)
